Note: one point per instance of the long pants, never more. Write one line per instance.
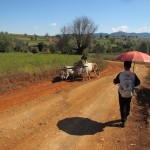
(124, 107)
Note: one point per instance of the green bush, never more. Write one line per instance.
(6, 43)
(34, 50)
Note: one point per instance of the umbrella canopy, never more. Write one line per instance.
(134, 56)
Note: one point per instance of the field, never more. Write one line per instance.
(13, 64)
(19, 68)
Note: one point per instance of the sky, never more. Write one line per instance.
(42, 17)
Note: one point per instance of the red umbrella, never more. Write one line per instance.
(134, 56)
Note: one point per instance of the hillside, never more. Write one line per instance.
(120, 33)
(112, 43)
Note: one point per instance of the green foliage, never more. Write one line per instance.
(40, 46)
(97, 58)
(53, 48)
(34, 50)
(120, 44)
(6, 43)
(67, 44)
(144, 47)
(20, 46)
(100, 56)
(98, 48)
(12, 64)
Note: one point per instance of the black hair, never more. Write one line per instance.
(127, 64)
(84, 57)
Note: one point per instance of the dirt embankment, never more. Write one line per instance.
(10, 84)
(72, 116)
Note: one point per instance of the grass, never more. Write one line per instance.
(13, 64)
(102, 56)
(25, 69)
(20, 66)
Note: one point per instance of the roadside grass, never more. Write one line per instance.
(25, 69)
(102, 56)
(13, 64)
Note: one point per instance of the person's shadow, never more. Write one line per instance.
(84, 126)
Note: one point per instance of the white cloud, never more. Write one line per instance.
(53, 25)
(121, 28)
(144, 29)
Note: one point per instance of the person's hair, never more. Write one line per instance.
(84, 57)
(127, 64)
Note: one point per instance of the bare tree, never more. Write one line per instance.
(82, 30)
(64, 39)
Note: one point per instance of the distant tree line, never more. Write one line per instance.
(76, 38)
(9, 44)
(111, 45)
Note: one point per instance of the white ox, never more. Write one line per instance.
(85, 69)
(66, 72)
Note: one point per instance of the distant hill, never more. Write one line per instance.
(120, 33)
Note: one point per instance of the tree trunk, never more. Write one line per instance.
(79, 50)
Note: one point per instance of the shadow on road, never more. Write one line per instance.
(56, 79)
(84, 126)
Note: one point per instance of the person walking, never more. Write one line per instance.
(127, 80)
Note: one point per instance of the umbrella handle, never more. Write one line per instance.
(133, 66)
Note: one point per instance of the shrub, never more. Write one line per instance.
(6, 43)
(34, 50)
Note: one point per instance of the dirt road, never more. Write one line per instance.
(69, 116)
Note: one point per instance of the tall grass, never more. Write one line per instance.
(100, 59)
(12, 64)
(103, 56)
